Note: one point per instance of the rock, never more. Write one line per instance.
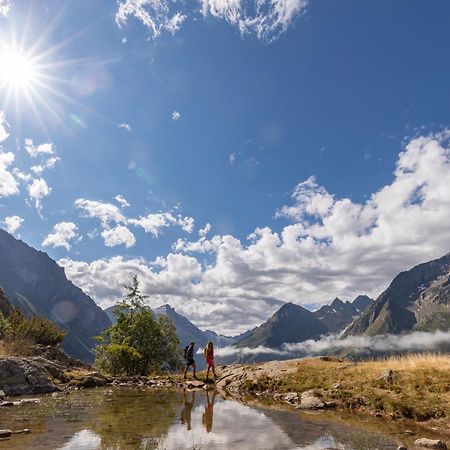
(310, 401)
(195, 384)
(336, 386)
(387, 375)
(5, 433)
(24, 376)
(401, 447)
(24, 431)
(291, 397)
(409, 432)
(330, 404)
(2, 395)
(6, 404)
(90, 381)
(29, 401)
(431, 443)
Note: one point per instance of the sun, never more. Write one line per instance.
(17, 69)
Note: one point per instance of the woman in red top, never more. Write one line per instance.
(208, 352)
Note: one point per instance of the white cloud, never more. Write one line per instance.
(153, 14)
(174, 23)
(8, 184)
(105, 212)
(333, 247)
(176, 116)
(125, 126)
(61, 235)
(204, 231)
(13, 223)
(42, 149)
(119, 235)
(37, 190)
(154, 223)
(121, 200)
(3, 123)
(417, 340)
(48, 164)
(232, 158)
(5, 7)
(265, 19)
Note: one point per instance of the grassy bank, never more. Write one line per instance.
(418, 389)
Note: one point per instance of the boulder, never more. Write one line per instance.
(5, 433)
(310, 401)
(2, 395)
(387, 375)
(291, 397)
(431, 443)
(24, 376)
(401, 447)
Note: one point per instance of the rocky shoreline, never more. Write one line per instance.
(50, 371)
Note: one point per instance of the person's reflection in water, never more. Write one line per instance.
(208, 414)
(187, 409)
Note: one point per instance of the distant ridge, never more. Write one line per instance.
(34, 283)
(291, 323)
(338, 315)
(417, 299)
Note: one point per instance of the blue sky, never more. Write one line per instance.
(218, 117)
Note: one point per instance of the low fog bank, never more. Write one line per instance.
(415, 341)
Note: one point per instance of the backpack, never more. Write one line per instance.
(185, 351)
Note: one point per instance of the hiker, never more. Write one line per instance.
(207, 418)
(187, 409)
(189, 358)
(208, 353)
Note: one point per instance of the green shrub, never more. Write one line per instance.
(38, 329)
(118, 359)
(5, 326)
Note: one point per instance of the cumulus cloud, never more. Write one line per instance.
(105, 212)
(154, 223)
(13, 223)
(119, 235)
(61, 235)
(331, 247)
(37, 190)
(3, 123)
(48, 164)
(121, 200)
(176, 116)
(5, 6)
(205, 230)
(265, 19)
(8, 184)
(36, 150)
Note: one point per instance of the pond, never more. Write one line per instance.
(126, 418)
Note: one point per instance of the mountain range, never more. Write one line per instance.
(35, 284)
(417, 299)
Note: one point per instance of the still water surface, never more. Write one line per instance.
(160, 419)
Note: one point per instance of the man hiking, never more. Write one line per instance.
(189, 358)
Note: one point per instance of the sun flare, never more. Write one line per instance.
(17, 69)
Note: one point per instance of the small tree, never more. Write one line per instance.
(137, 343)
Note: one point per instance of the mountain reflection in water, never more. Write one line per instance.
(158, 419)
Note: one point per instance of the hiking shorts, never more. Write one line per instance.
(210, 362)
(190, 362)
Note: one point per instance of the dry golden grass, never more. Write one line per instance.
(15, 347)
(419, 390)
